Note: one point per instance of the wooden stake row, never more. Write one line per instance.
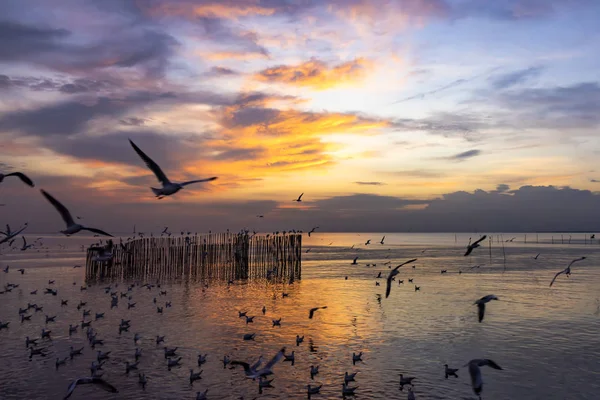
(224, 256)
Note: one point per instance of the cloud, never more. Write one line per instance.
(222, 71)
(595, 180)
(514, 78)
(465, 155)
(316, 74)
(55, 48)
(132, 121)
(560, 107)
(369, 183)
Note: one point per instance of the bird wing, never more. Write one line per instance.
(257, 363)
(243, 364)
(406, 262)
(299, 197)
(388, 287)
(23, 177)
(479, 240)
(311, 313)
(160, 175)
(481, 311)
(556, 276)
(469, 250)
(71, 389)
(574, 261)
(198, 180)
(98, 231)
(24, 241)
(64, 213)
(275, 359)
(489, 363)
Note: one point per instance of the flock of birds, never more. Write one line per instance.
(256, 370)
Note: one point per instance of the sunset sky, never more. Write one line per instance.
(388, 115)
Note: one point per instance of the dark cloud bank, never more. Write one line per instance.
(529, 208)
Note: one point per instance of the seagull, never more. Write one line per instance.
(93, 380)
(368, 242)
(142, 380)
(354, 261)
(312, 230)
(10, 235)
(313, 390)
(168, 187)
(253, 372)
(19, 175)
(356, 357)
(536, 257)
(347, 390)
(314, 371)
(25, 246)
(481, 304)
(311, 313)
(566, 271)
(393, 273)
(450, 371)
(299, 199)
(406, 380)
(382, 239)
(474, 245)
(72, 227)
(349, 377)
(195, 376)
(475, 373)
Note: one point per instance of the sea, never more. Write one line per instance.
(546, 339)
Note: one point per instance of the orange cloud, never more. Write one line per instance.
(316, 74)
(231, 55)
(215, 9)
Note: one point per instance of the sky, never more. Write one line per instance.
(398, 115)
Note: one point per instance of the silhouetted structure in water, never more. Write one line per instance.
(226, 256)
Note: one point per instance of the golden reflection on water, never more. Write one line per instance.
(543, 337)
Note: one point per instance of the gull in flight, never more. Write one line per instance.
(19, 175)
(94, 381)
(566, 271)
(25, 245)
(299, 199)
(481, 304)
(252, 372)
(474, 245)
(312, 230)
(10, 235)
(382, 239)
(392, 274)
(475, 373)
(72, 227)
(312, 311)
(168, 187)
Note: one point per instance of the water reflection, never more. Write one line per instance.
(545, 338)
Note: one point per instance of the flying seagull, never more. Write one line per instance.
(312, 311)
(299, 199)
(19, 175)
(93, 380)
(566, 271)
(481, 304)
(312, 230)
(382, 239)
(393, 273)
(168, 187)
(253, 372)
(72, 227)
(10, 235)
(475, 373)
(474, 245)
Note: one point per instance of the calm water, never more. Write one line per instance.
(546, 339)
